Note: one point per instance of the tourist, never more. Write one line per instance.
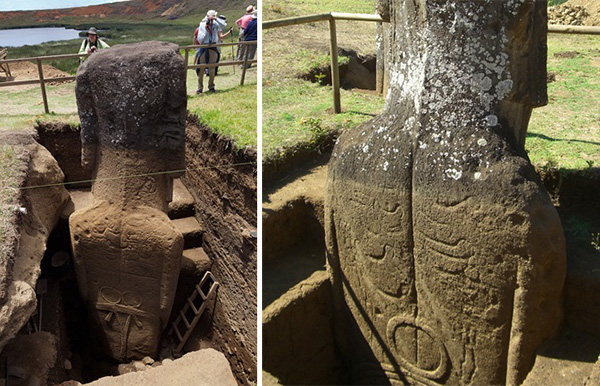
(92, 44)
(250, 34)
(209, 31)
(222, 20)
(242, 23)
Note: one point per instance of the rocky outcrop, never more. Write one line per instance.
(40, 203)
(443, 245)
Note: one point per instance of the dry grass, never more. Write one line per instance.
(11, 173)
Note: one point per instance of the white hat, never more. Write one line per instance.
(212, 12)
(255, 14)
(250, 8)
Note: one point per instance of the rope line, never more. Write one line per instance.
(134, 176)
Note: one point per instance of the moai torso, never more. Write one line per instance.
(444, 247)
(127, 253)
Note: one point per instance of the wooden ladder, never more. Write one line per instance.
(193, 309)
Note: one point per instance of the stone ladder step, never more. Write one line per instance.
(183, 202)
(181, 206)
(196, 260)
(191, 230)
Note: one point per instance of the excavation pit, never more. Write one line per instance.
(215, 241)
(358, 72)
(300, 345)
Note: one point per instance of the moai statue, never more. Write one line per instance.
(443, 246)
(132, 106)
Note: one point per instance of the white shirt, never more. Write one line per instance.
(204, 37)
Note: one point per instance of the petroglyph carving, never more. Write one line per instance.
(122, 309)
(127, 252)
(443, 245)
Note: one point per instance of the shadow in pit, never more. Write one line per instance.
(359, 363)
(293, 248)
(573, 345)
(65, 314)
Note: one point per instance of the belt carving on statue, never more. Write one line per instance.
(114, 308)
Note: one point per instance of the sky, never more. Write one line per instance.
(27, 5)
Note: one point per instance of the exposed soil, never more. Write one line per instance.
(359, 72)
(28, 71)
(567, 14)
(293, 241)
(62, 140)
(593, 9)
(566, 54)
(278, 169)
(225, 203)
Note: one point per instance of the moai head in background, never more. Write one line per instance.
(444, 248)
(127, 253)
(132, 107)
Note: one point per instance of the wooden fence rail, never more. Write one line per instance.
(333, 16)
(42, 80)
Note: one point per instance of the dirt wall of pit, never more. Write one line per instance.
(225, 200)
(298, 335)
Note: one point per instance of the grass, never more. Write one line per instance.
(566, 133)
(10, 170)
(297, 111)
(232, 109)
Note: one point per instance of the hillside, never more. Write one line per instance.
(134, 10)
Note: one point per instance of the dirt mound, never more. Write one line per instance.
(28, 70)
(567, 14)
(593, 9)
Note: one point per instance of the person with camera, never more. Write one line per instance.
(210, 31)
(92, 43)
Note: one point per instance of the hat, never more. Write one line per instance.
(212, 12)
(250, 8)
(92, 31)
(255, 14)
(222, 17)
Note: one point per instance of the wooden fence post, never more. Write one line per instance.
(186, 58)
(43, 85)
(245, 64)
(335, 71)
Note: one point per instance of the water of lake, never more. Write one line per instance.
(31, 36)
